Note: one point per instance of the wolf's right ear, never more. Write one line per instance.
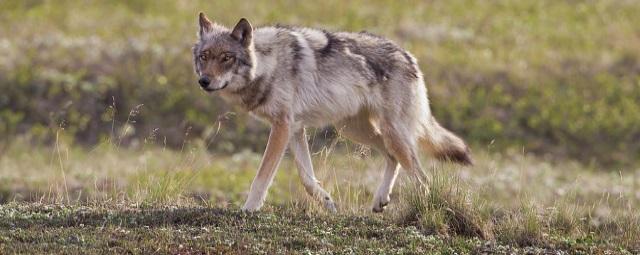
(205, 24)
(243, 32)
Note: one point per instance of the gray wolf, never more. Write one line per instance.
(368, 87)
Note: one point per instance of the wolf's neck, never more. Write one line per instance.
(256, 93)
(264, 61)
(258, 89)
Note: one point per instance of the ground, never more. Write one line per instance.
(69, 200)
(40, 228)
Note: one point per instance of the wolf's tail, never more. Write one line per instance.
(444, 145)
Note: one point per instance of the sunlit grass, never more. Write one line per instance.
(510, 198)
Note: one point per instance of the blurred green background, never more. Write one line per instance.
(557, 78)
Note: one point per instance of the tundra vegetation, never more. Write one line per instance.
(108, 145)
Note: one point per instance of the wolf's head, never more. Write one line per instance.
(223, 58)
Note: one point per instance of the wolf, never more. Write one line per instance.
(366, 86)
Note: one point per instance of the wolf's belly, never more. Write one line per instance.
(324, 116)
(329, 106)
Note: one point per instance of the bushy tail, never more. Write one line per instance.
(444, 145)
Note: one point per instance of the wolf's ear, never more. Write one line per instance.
(205, 24)
(243, 32)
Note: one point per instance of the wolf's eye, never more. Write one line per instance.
(227, 58)
(202, 57)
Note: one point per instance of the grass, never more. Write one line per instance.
(443, 206)
(120, 229)
(117, 229)
(557, 78)
(112, 199)
(107, 145)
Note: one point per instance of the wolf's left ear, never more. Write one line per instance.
(243, 32)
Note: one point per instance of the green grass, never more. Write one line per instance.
(117, 199)
(117, 229)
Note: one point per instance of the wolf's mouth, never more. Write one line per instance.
(212, 90)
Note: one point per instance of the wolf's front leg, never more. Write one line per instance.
(278, 139)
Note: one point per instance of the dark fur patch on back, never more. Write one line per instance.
(379, 68)
(380, 64)
(296, 48)
(413, 69)
(297, 55)
(332, 43)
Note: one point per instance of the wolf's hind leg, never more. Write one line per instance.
(300, 150)
(401, 144)
(359, 129)
(382, 196)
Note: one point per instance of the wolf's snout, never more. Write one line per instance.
(204, 82)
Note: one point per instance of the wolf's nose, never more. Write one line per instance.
(204, 82)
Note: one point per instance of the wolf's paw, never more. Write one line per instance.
(379, 203)
(251, 206)
(249, 210)
(330, 205)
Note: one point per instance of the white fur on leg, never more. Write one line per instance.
(300, 150)
(381, 198)
(256, 197)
